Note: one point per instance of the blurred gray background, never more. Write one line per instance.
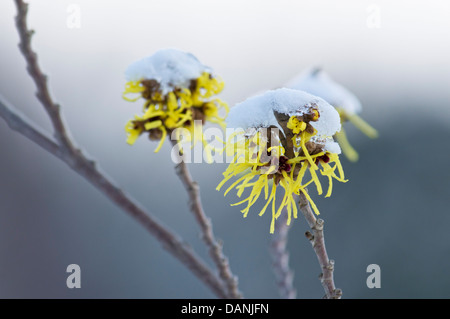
(394, 211)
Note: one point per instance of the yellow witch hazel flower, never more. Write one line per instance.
(178, 91)
(283, 139)
(316, 81)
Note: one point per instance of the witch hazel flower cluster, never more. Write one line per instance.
(178, 92)
(317, 82)
(283, 139)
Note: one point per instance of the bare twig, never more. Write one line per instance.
(38, 77)
(215, 248)
(280, 258)
(316, 239)
(64, 149)
(18, 122)
(318, 242)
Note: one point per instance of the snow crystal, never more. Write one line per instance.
(331, 146)
(170, 67)
(318, 82)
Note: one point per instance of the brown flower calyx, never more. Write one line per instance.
(198, 114)
(283, 165)
(151, 87)
(154, 134)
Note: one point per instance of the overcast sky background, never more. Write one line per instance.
(392, 212)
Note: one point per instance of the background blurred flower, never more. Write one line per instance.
(318, 82)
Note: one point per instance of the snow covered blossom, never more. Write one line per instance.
(283, 139)
(317, 82)
(178, 91)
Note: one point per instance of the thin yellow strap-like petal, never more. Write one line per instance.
(226, 179)
(335, 158)
(329, 172)
(292, 171)
(130, 99)
(266, 187)
(272, 224)
(271, 198)
(243, 186)
(330, 186)
(316, 180)
(184, 118)
(287, 193)
(362, 125)
(241, 202)
(300, 175)
(294, 205)
(172, 103)
(236, 182)
(288, 199)
(152, 113)
(283, 202)
(305, 136)
(250, 199)
(313, 205)
(163, 137)
(133, 87)
(133, 136)
(151, 125)
(347, 148)
(299, 159)
(253, 197)
(257, 189)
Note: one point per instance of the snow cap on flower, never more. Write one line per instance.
(254, 112)
(178, 92)
(318, 82)
(257, 112)
(171, 68)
